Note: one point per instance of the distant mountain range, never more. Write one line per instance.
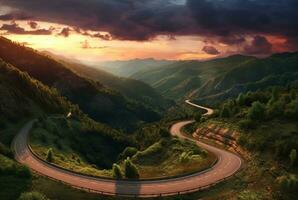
(130, 67)
(218, 79)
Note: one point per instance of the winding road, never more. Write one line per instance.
(227, 165)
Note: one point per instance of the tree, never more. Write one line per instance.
(275, 109)
(293, 157)
(225, 112)
(49, 157)
(241, 99)
(117, 172)
(257, 111)
(23, 171)
(198, 117)
(293, 95)
(164, 133)
(130, 170)
(292, 109)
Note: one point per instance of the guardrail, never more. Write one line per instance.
(182, 192)
(195, 189)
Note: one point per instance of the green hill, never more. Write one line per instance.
(130, 67)
(219, 79)
(96, 100)
(132, 89)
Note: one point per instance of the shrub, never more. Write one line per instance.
(128, 152)
(50, 157)
(288, 183)
(117, 172)
(185, 157)
(293, 157)
(164, 133)
(292, 109)
(249, 195)
(5, 151)
(225, 112)
(32, 196)
(23, 171)
(130, 169)
(241, 99)
(198, 117)
(275, 109)
(247, 124)
(257, 111)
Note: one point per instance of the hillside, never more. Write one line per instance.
(262, 127)
(130, 88)
(96, 100)
(215, 80)
(130, 67)
(23, 99)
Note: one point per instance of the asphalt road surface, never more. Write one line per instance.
(227, 164)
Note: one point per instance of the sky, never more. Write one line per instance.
(100, 30)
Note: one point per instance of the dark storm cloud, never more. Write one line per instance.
(15, 16)
(210, 50)
(16, 29)
(259, 46)
(144, 19)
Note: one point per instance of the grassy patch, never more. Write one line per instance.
(171, 157)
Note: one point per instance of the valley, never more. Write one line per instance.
(91, 134)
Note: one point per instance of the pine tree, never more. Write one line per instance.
(293, 157)
(49, 157)
(241, 99)
(130, 170)
(257, 111)
(117, 172)
(225, 112)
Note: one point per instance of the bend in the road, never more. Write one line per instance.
(228, 163)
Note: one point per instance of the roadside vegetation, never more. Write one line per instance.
(151, 151)
(266, 121)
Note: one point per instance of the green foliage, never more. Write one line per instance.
(288, 183)
(249, 195)
(292, 109)
(241, 99)
(247, 124)
(128, 152)
(257, 111)
(9, 167)
(50, 156)
(32, 196)
(91, 142)
(5, 151)
(198, 117)
(225, 112)
(164, 133)
(293, 157)
(275, 109)
(130, 169)
(186, 157)
(23, 171)
(117, 172)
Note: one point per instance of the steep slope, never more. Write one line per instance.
(23, 98)
(96, 100)
(130, 88)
